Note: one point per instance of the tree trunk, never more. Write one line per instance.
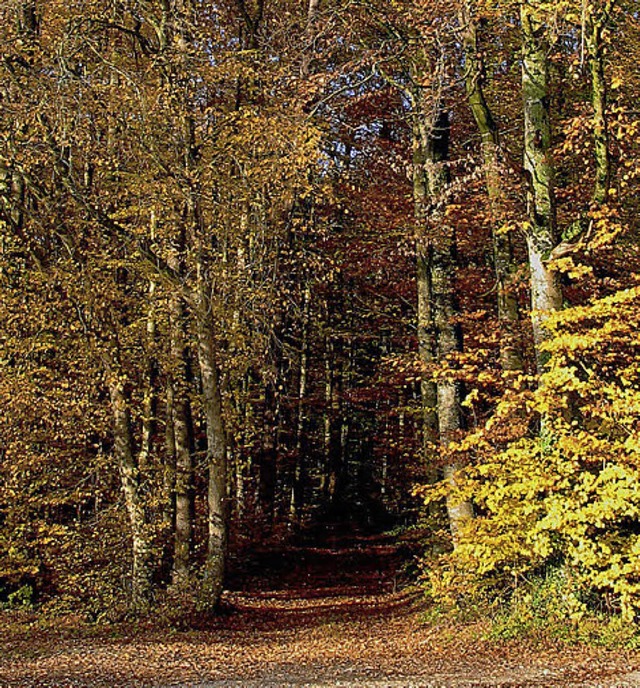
(594, 27)
(268, 460)
(334, 469)
(437, 305)
(150, 399)
(168, 484)
(508, 314)
(124, 449)
(216, 449)
(297, 488)
(449, 335)
(426, 328)
(183, 443)
(546, 294)
(312, 17)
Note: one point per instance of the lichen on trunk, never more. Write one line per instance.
(541, 231)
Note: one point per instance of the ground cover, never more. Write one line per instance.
(335, 616)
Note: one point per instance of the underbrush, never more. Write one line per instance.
(18, 597)
(547, 605)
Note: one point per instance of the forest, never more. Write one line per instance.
(272, 269)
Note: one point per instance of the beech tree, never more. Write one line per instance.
(521, 481)
(542, 232)
(266, 266)
(494, 164)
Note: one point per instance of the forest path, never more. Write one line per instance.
(328, 616)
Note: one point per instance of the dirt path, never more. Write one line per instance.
(318, 633)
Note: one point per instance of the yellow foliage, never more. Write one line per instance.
(569, 493)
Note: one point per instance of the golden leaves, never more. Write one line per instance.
(573, 491)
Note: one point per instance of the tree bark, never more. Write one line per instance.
(425, 323)
(546, 294)
(312, 18)
(329, 473)
(150, 399)
(508, 314)
(124, 450)
(183, 443)
(297, 488)
(445, 310)
(594, 28)
(438, 334)
(217, 520)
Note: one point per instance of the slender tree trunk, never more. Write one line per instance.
(332, 454)
(150, 399)
(216, 448)
(312, 18)
(438, 286)
(124, 449)
(240, 459)
(508, 314)
(268, 470)
(168, 484)
(546, 294)
(594, 27)
(5, 211)
(297, 488)
(426, 327)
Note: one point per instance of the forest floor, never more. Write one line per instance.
(330, 616)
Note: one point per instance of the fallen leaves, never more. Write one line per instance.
(290, 636)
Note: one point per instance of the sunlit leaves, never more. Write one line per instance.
(571, 493)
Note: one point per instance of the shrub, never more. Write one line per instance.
(564, 489)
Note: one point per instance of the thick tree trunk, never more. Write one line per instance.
(179, 377)
(449, 341)
(183, 443)
(508, 314)
(546, 294)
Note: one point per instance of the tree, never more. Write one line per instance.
(542, 234)
(474, 72)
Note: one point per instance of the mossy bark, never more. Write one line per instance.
(505, 268)
(546, 293)
(594, 29)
